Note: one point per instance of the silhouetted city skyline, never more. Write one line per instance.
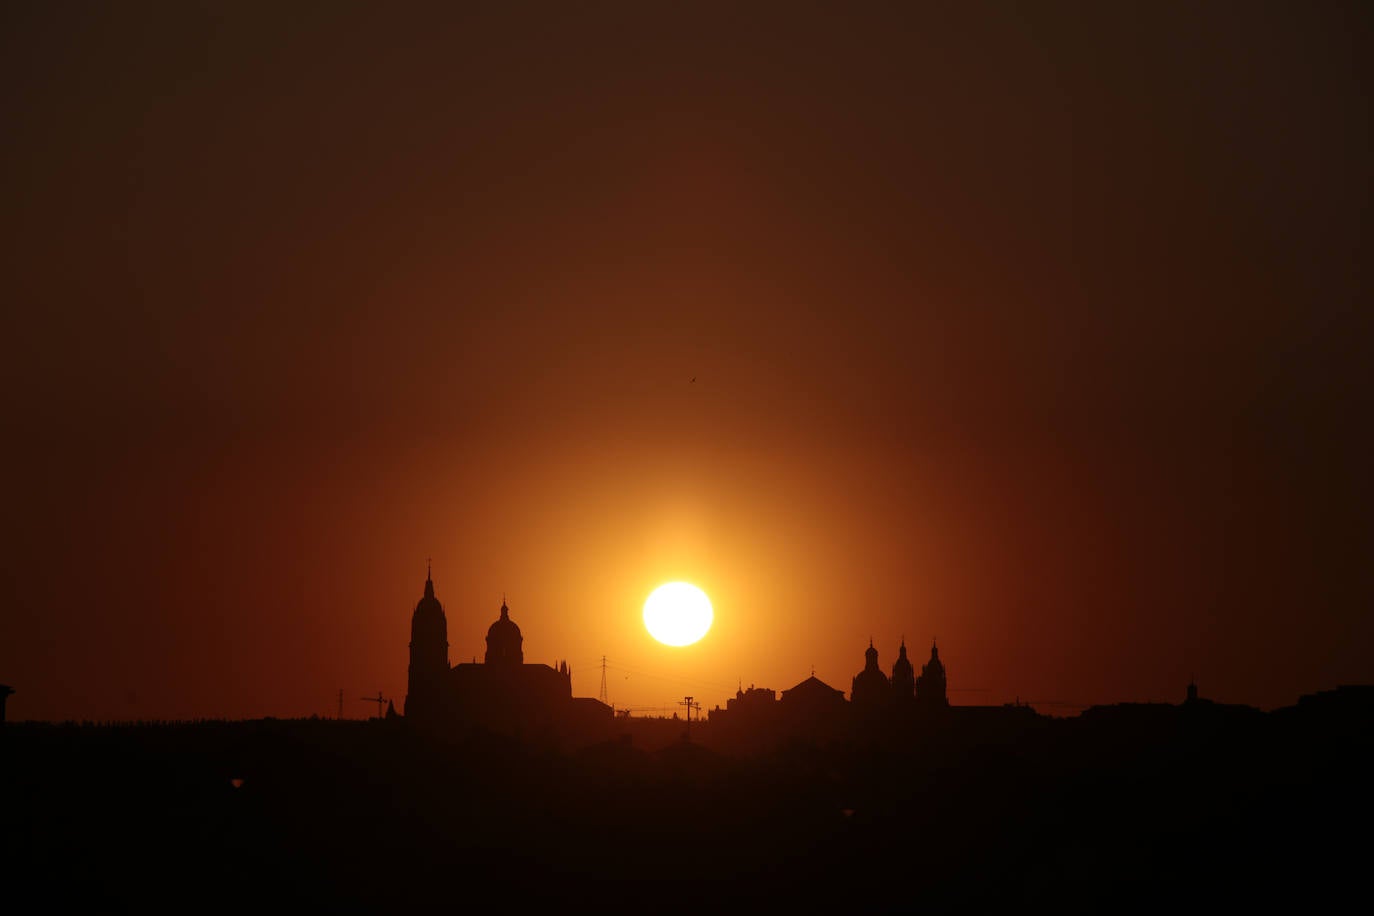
(754, 457)
(1039, 329)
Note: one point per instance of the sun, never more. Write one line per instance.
(678, 614)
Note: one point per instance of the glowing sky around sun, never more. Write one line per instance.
(1039, 330)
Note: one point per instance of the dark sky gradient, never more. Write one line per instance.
(1041, 329)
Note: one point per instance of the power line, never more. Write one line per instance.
(660, 677)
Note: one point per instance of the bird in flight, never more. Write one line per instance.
(694, 378)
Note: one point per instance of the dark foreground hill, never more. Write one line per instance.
(1126, 809)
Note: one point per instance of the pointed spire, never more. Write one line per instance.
(505, 611)
(429, 578)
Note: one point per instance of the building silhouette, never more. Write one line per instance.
(812, 697)
(501, 693)
(428, 672)
(931, 692)
(876, 705)
(903, 678)
(870, 689)
(813, 710)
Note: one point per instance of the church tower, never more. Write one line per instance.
(903, 677)
(930, 686)
(428, 654)
(870, 687)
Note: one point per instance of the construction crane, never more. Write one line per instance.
(379, 700)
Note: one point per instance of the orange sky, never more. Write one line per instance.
(1045, 333)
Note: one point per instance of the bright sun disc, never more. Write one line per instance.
(678, 614)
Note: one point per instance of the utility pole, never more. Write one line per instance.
(687, 701)
(602, 697)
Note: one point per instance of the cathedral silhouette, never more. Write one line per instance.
(501, 693)
(871, 689)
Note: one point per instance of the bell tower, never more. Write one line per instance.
(930, 686)
(428, 653)
(870, 687)
(903, 676)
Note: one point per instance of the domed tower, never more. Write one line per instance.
(870, 687)
(428, 653)
(903, 677)
(930, 686)
(504, 641)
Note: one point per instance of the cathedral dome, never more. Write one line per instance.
(504, 640)
(870, 686)
(504, 628)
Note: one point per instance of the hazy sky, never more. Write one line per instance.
(1042, 329)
